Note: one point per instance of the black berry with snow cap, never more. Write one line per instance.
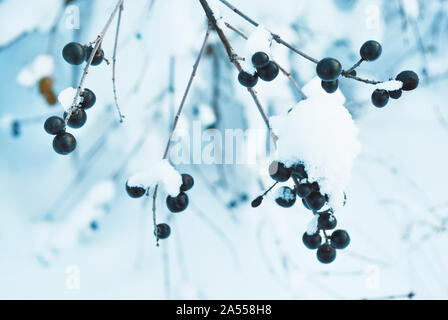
(279, 172)
(410, 80)
(270, 72)
(286, 197)
(380, 98)
(260, 59)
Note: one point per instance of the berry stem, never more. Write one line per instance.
(241, 33)
(114, 65)
(356, 65)
(345, 74)
(276, 37)
(231, 53)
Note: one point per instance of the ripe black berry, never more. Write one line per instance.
(298, 171)
(315, 200)
(88, 99)
(270, 72)
(177, 204)
(326, 253)
(187, 182)
(312, 241)
(54, 125)
(248, 80)
(257, 202)
(326, 221)
(410, 80)
(99, 56)
(371, 50)
(330, 86)
(279, 172)
(380, 98)
(396, 94)
(329, 69)
(162, 231)
(305, 204)
(286, 197)
(340, 239)
(260, 60)
(303, 190)
(135, 191)
(64, 143)
(77, 119)
(74, 53)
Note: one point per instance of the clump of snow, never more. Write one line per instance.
(391, 85)
(411, 8)
(66, 97)
(285, 194)
(163, 173)
(314, 88)
(259, 40)
(42, 66)
(312, 226)
(320, 133)
(6, 121)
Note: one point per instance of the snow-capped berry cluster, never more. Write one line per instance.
(75, 117)
(408, 80)
(267, 70)
(326, 250)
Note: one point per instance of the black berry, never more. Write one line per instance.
(135, 191)
(286, 197)
(371, 50)
(410, 80)
(312, 241)
(187, 182)
(64, 143)
(270, 72)
(88, 99)
(162, 231)
(330, 86)
(257, 202)
(54, 125)
(98, 58)
(77, 119)
(340, 239)
(304, 190)
(279, 172)
(248, 80)
(380, 98)
(326, 221)
(298, 171)
(177, 204)
(396, 94)
(305, 204)
(329, 69)
(315, 200)
(74, 53)
(326, 253)
(260, 60)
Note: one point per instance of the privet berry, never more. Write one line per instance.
(396, 94)
(77, 118)
(326, 221)
(135, 191)
(162, 231)
(315, 200)
(74, 53)
(330, 86)
(286, 197)
(260, 60)
(54, 125)
(270, 72)
(279, 172)
(247, 80)
(177, 204)
(371, 50)
(380, 98)
(64, 143)
(304, 189)
(326, 253)
(298, 171)
(340, 239)
(312, 241)
(410, 80)
(98, 58)
(88, 99)
(187, 182)
(329, 69)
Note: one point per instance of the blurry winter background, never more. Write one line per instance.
(68, 229)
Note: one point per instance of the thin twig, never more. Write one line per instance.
(114, 65)
(356, 65)
(97, 43)
(241, 33)
(276, 37)
(361, 79)
(294, 83)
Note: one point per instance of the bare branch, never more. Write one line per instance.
(114, 65)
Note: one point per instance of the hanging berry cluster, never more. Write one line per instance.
(267, 70)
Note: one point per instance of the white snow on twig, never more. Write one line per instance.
(411, 8)
(66, 97)
(259, 40)
(42, 66)
(391, 85)
(312, 226)
(163, 173)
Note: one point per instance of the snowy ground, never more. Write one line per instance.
(397, 209)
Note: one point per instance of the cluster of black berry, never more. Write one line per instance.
(313, 199)
(330, 69)
(267, 70)
(175, 204)
(65, 143)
